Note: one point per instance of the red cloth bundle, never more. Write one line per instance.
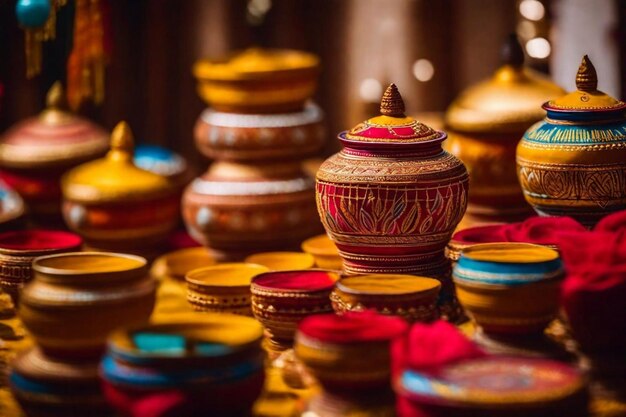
(353, 327)
(538, 230)
(615, 222)
(594, 289)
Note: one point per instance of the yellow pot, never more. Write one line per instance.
(76, 299)
(223, 288)
(324, 251)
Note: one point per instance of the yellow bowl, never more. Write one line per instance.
(178, 263)
(324, 251)
(222, 288)
(283, 261)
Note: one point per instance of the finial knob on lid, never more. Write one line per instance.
(122, 138)
(586, 78)
(392, 104)
(55, 99)
(512, 52)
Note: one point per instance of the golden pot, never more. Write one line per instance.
(115, 205)
(223, 288)
(573, 163)
(258, 80)
(484, 125)
(76, 299)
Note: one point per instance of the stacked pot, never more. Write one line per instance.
(73, 302)
(259, 126)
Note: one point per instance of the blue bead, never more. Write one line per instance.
(32, 13)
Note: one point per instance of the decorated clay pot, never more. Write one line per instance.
(324, 251)
(11, 208)
(412, 298)
(574, 162)
(494, 386)
(392, 197)
(76, 299)
(286, 78)
(260, 137)
(485, 123)
(37, 151)
(280, 300)
(47, 387)
(237, 209)
(509, 288)
(283, 261)
(351, 352)
(19, 249)
(116, 206)
(223, 288)
(185, 367)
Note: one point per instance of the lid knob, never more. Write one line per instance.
(586, 78)
(392, 104)
(512, 53)
(122, 138)
(55, 99)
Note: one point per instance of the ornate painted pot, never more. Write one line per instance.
(260, 137)
(485, 123)
(185, 367)
(258, 80)
(392, 197)
(76, 299)
(509, 288)
(223, 288)
(116, 206)
(37, 151)
(46, 387)
(283, 261)
(324, 251)
(407, 296)
(494, 386)
(237, 209)
(349, 353)
(19, 249)
(281, 299)
(11, 208)
(574, 162)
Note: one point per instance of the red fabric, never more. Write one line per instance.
(33, 240)
(594, 289)
(539, 230)
(615, 222)
(353, 327)
(428, 347)
(295, 280)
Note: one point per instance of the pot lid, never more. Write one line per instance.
(392, 126)
(587, 98)
(255, 63)
(55, 137)
(114, 177)
(509, 101)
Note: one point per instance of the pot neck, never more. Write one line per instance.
(415, 151)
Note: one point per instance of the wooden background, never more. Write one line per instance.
(155, 43)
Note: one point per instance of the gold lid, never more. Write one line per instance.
(587, 96)
(55, 137)
(508, 102)
(114, 177)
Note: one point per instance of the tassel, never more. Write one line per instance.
(38, 19)
(87, 61)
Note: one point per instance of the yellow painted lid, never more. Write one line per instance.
(234, 274)
(509, 101)
(387, 284)
(254, 63)
(587, 97)
(114, 177)
(178, 263)
(283, 261)
(320, 245)
(509, 252)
